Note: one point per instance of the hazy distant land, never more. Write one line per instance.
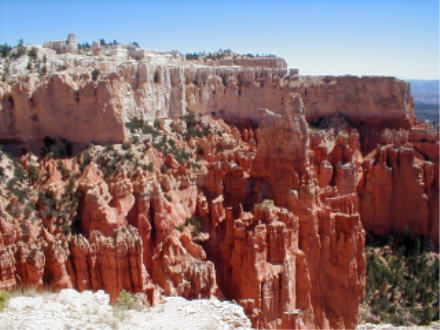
(426, 99)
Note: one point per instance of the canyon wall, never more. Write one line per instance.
(67, 101)
(269, 203)
(288, 250)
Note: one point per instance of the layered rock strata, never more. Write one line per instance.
(265, 199)
(67, 101)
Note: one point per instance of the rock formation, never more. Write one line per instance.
(160, 85)
(251, 185)
(68, 46)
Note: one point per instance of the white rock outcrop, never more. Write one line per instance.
(70, 309)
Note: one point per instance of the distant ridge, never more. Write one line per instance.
(426, 98)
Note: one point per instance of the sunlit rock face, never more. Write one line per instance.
(146, 84)
(263, 196)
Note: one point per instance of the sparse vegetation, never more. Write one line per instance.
(61, 67)
(195, 127)
(402, 281)
(18, 51)
(5, 73)
(84, 45)
(195, 223)
(192, 56)
(84, 159)
(61, 206)
(163, 168)
(32, 53)
(5, 49)
(56, 149)
(149, 167)
(126, 145)
(125, 300)
(135, 139)
(64, 207)
(28, 208)
(65, 172)
(221, 53)
(161, 142)
(144, 127)
(95, 74)
(4, 298)
(43, 70)
(168, 197)
(34, 174)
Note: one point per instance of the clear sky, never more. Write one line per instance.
(361, 37)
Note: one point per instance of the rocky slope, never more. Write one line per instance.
(72, 310)
(262, 195)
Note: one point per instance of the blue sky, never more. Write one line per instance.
(368, 37)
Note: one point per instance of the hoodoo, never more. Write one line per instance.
(231, 177)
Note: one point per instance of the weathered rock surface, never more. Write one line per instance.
(265, 201)
(399, 188)
(70, 309)
(160, 85)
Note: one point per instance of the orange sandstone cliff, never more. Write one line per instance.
(262, 194)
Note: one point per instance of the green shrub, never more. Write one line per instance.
(4, 50)
(196, 165)
(143, 126)
(192, 56)
(133, 125)
(19, 172)
(194, 127)
(13, 210)
(32, 53)
(18, 51)
(65, 172)
(87, 158)
(163, 168)
(196, 224)
(95, 74)
(149, 167)
(126, 145)
(29, 207)
(61, 67)
(135, 139)
(33, 174)
(168, 197)
(125, 300)
(4, 298)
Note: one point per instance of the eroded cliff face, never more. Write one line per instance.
(399, 187)
(68, 100)
(289, 252)
(264, 199)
